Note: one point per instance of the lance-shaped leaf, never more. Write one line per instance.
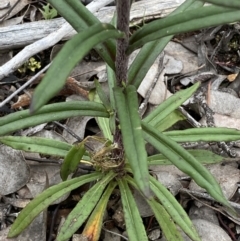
(112, 83)
(52, 112)
(172, 206)
(133, 220)
(184, 161)
(104, 123)
(204, 134)
(150, 51)
(165, 221)
(43, 200)
(190, 20)
(37, 144)
(132, 136)
(81, 18)
(169, 105)
(93, 228)
(174, 209)
(71, 160)
(202, 156)
(230, 4)
(83, 209)
(72, 52)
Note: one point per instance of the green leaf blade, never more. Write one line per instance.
(44, 199)
(134, 145)
(174, 209)
(168, 106)
(150, 51)
(190, 20)
(93, 228)
(37, 144)
(71, 160)
(207, 134)
(165, 221)
(83, 209)
(184, 161)
(81, 18)
(230, 4)
(202, 156)
(52, 112)
(134, 224)
(72, 52)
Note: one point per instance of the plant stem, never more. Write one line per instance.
(123, 13)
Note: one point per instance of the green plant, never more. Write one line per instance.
(48, 13)
(31, 64)
(123, 160)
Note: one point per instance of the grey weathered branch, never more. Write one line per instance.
(21, 35)
(40, 35)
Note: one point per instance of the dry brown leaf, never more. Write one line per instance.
(231, 77)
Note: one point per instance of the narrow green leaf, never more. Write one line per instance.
(202, 156)
(84, 207)
(71, 160)
(52, 112)
(93, 228)
(170, 120)
(134, 145)
(102, 96)
(204, 134)
(224, 3)
(112, 83)
(104, 123)
(150, 51)
(169, 105)
(174, 209)
(171, 205)
(44, 199)
(134, 224)
(37, 144)
(190, 20)
(184, 161)
(81, 18)
(72, 52)
(165, 221)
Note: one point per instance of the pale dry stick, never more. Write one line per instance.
(196, 195)
(158, 76)
(114, 233)
(44, 43)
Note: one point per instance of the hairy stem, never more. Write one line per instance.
(123, 12)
